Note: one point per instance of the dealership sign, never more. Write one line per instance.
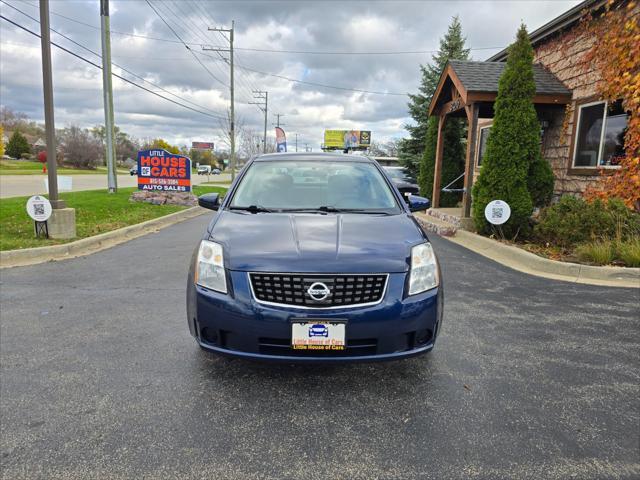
(347, 138)
(163, 171)
(202, 145)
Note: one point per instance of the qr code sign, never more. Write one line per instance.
(38, 209)
(496, 212)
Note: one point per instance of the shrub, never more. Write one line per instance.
(540, 182)
(629, 252)
(600, 252)
(513, 145)
(573, 220)
(17, 145)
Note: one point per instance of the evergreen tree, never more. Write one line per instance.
(513, 148)
(418, 151)
(17, 145)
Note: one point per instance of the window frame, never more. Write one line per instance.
(477, 156)
(584, 169)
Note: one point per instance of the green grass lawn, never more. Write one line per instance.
(96, 212)
(23, 167)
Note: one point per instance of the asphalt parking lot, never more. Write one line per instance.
(530, 378)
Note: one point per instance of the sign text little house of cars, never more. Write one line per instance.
(163, 171)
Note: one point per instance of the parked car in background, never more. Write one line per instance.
(204, 170)
(133, 170)
(403, 181)
(216, 171)
(331, 270)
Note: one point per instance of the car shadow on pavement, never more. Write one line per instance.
(296, 377)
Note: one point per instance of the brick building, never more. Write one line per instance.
(581, 133)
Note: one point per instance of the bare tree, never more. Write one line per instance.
(81, 148)
(386, 149)
(251, 144)
(224, 129)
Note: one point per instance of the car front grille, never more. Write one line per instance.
(343, 290)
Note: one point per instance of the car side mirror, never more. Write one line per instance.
(417, 203)
(210, 201)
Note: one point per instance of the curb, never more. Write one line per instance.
(85, 246)
(527, 262)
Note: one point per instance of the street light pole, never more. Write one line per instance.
(112, 181)
(47, 81)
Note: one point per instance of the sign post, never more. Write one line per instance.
(39, 209)
(159, 170)
(497, 212)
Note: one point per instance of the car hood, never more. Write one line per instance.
(333, 243)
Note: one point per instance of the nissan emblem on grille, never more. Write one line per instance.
(318, 291)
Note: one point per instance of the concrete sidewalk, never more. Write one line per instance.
(527, 262)
(26, 185)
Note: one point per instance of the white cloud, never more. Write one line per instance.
(313, 25)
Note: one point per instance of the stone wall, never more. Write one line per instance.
(566, 57)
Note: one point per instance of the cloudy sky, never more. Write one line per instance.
(263, 30)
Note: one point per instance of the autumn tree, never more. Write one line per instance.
(617, 56)
(162, 144)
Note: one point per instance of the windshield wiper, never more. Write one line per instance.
(253, 209)
(331, 209)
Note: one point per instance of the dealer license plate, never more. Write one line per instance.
(310, 335)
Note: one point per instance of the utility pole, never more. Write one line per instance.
(232, 120)
(296, 141)
(262, 95)
(107, 90)
(47, 81)
(278, 115)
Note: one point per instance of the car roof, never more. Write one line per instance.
(312, 156)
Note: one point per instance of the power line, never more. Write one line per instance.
(335, 87)
(80, 57)
(115, 64)
(204, 16)
(268, 50)
(186, 46)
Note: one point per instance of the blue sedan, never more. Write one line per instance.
(314, 258)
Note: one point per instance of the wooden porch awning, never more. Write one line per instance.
(464, 82)
(469, 89)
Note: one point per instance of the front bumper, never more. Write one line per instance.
(235, 324)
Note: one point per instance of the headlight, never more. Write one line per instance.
(210, 267)
(424, 269)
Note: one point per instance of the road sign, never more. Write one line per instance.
(163, 171)
(39, 208)
(497, 212)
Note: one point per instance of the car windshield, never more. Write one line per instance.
(400, 174)
(290, 185)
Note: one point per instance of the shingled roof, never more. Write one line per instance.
(484, 76)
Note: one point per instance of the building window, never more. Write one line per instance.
(600, 134)
(482, 143)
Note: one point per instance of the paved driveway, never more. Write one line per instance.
(23, 185)
(531, 379)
